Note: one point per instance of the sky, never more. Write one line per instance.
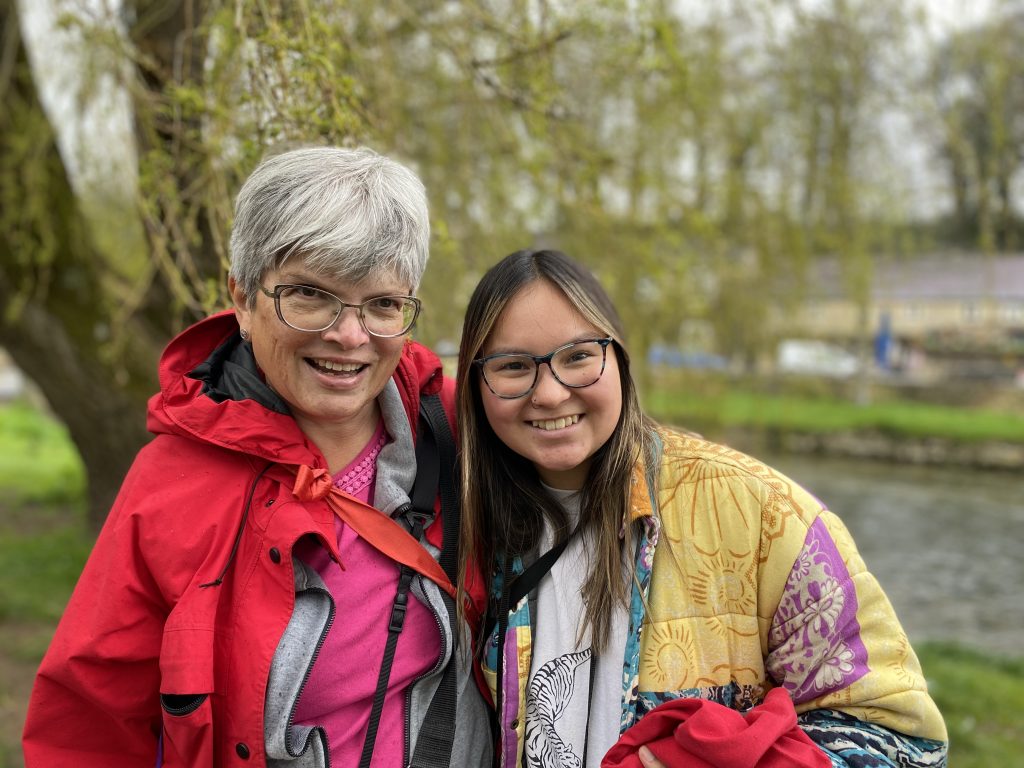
(953, 14)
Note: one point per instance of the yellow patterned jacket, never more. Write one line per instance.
(743, 581)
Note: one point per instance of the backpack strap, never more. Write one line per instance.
(395, 624)
(435, 472)
(437, 734)
(440, 434)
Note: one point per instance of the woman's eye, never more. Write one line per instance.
(509, 366)
(304, 292)
(384, 303)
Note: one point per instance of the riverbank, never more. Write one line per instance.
(874, 445)
(760, 417)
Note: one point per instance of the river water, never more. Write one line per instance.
(945, 543)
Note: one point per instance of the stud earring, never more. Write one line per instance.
(244, 334)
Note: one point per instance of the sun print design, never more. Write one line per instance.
(669, 648)
(898, 665)
(724, 583)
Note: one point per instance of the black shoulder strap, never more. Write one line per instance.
(428, 471)
(435, 471)
(512, 591)
(523, 584)
(443, 441)
(437, 734)
(395, 624)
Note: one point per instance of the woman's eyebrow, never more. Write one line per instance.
(316, 281)
(506, 351)
(521, 351)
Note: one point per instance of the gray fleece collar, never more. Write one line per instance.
(396, 465)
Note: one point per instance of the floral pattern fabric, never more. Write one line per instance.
(815, 631)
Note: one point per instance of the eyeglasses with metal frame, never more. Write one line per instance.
(313, 310)
(576, 365)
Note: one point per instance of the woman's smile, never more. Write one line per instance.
(333, 368)
(558, 424)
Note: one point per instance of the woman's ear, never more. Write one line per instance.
(240, 301)
(239, 298)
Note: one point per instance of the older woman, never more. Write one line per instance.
(266, 589)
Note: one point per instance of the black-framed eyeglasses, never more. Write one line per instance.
(577, 364)
(313, 310)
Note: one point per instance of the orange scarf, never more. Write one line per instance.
(372, 525)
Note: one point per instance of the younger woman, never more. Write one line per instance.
(637, 566)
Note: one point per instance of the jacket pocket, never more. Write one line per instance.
(180, 705)
(186, 697)
(187, 730)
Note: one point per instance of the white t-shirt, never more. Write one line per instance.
(559, 700)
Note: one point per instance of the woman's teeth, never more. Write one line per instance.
(551, 424)
(330, 365)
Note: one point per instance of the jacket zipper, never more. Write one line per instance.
(305, 679)
(194, 703)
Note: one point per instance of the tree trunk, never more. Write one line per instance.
(54, 316)
(106, 423)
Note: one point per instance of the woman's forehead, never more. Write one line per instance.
(538, 318)
(297, 269)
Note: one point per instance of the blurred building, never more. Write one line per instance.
(963, 313)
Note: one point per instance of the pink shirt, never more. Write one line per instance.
(339, 692)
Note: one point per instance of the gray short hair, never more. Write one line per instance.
(349, 214)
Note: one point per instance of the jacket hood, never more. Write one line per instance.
(211, 390)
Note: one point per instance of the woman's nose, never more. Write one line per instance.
(347, 330)
(548, 391)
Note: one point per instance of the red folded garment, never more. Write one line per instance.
(694, 733)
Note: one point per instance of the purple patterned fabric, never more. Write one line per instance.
(510, 695)
(358, 477)
(815, 635)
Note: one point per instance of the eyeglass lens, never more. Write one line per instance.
(575, 365)
(309, 309)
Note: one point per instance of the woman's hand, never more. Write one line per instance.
(648, 759)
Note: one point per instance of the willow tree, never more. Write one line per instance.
(528, 123)
(458, 92)
(641, 139)
(211, 92)
(57, 303)
(841, 62)
(979, 94)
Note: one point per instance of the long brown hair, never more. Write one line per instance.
(504, 504)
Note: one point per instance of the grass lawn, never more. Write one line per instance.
(724, 407)
(982, 701)
(44, 543)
